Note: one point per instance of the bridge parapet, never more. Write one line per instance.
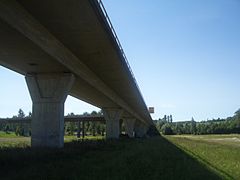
(118, 43)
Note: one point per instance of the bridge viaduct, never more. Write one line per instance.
(69, 47)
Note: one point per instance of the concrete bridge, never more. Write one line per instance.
(69, 47)
(79, 119)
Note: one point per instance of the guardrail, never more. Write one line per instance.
(118, 42)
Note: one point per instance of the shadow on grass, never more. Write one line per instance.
(136, 159)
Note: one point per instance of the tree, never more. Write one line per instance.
(178, 128)
(94, 113)
(171, 119)
(71, 114)
(237, 113)
(6, 129)
(71, 128)
(187, 128)
(165, 118)
(86, 114)
(21, 114)
(20, 129)
(237, 116)
(167, 130)
(193, 126)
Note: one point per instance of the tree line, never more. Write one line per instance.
(91, 128)
(229, 125)
(70, 128)
(20, 129)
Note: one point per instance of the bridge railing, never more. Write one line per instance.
(118, 42)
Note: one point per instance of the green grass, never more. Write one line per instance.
(10, 140)
(74, 138)
(7, 135)
(126, 159)
(219, 152)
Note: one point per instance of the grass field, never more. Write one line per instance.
(221, 153)
(10, 140)
(130, 159)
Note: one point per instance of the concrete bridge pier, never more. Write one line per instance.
(26, 129)
(48, 93)
(140, 129)
(112, 117)
(129, 126)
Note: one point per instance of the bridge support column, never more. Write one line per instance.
(112, 117)
(120, 126)
(26, 129)
(48, 93)
(140, 129)
(129, 126)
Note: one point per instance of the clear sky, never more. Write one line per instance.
(185, 56)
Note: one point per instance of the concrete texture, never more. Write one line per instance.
(73, 36)
(129, 126)
(26, 129)
(70, 36)
(48, 93)
(140, 129)
(112, 117)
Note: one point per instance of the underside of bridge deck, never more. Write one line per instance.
(44, 38)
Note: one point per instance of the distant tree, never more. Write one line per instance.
(214, 126)
(21, 114)
(237, 113)
(167, 130)
(70, 128)
(165, 118)
(201, 128)
(171, 119)
(7, 129)
(86, 114)
(160, 123)
(187, 128)
(178, 128)
(193, 127)
(94, 113)
(71, 114)
(20, 128)
(237, 118)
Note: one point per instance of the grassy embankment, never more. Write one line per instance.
(150, 159)
(221, 153)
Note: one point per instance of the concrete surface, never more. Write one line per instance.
(112, 116)
(48, 93)
(129, 126)
(70, 36)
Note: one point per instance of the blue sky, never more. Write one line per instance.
(185, 56)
